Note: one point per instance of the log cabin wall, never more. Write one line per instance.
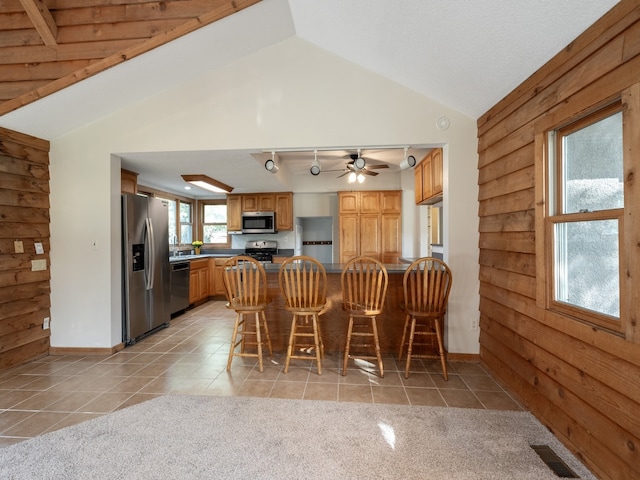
(24, 217)
(580, 381)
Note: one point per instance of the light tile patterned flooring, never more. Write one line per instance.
(190, 357)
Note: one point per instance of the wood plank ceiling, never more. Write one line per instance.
(47, 45)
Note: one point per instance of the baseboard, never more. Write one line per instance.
(85, 351)
(464, 357)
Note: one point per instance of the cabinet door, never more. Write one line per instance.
(369, 202)
(203, 283)
(391, 232)
(427, 178)
(234, 213)
(349, 229)
(218, 281)
(266, 202)
(249, 203)
(194, 286)
(284, 211)
(418, 183)
(212, 276)
(370, 236)
(436, 171)
(348, 202)
(391, 201)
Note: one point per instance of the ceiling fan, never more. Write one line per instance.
(358, 164)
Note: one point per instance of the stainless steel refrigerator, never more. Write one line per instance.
(145, 269)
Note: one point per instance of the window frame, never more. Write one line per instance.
(151, 192)
(556, 216)
(628, 102)
(201, 222)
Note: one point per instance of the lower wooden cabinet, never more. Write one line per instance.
(199, 281)
(218, 282)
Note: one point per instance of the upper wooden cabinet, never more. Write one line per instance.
(284, 211)
(128, 181)
(428, 178)
(234, 213)
(281, 203)
(370, 224)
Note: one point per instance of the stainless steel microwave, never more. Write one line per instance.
(259, 222)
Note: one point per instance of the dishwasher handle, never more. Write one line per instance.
(180, 266)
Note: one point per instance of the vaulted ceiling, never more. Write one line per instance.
(90, 58)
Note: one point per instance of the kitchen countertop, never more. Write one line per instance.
(274, 267)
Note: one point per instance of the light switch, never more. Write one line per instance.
(18, 246)
(38, 265)
(39, 248)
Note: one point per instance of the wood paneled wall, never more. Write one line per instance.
(24, 216)
(582, 382)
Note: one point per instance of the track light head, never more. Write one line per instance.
(271, 164)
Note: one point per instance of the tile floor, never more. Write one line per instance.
(190, 357)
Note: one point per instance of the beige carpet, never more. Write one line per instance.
(204, 437)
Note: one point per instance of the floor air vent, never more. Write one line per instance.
(554, 462)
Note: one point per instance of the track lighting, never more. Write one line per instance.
(407, 162)
(271, 164)
(315, 166)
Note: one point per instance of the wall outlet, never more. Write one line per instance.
(45, 324)
(38, 265)
(474, 324)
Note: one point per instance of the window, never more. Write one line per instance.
(214, 222)
(186, 223)
(584, 223)
(180, 221)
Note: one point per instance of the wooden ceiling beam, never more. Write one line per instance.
(127, 51)
(42, 20)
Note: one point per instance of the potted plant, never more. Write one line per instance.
(197, 245)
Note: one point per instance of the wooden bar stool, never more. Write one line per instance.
(303, 284)
(426, 286)
(245, 284)
(364, 289)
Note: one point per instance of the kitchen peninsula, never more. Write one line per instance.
(333, 322)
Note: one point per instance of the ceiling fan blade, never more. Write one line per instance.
(376, 166)
(345, 173)
(368, 172)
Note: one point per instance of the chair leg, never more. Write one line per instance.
(347, 345)
(259, 341)
(376, 343)
(266, 331)
(317, 341)
(404, 336)
(410, 346)
(443, 361)
(291, 341)
(233, 341)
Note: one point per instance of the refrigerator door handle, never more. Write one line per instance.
(152, 252)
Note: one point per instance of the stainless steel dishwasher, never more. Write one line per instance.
(179, 286)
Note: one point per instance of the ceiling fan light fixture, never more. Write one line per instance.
(351, 178)
(207, 183)
(360, 178)
(271, 165)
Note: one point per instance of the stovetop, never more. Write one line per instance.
(261, 250)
